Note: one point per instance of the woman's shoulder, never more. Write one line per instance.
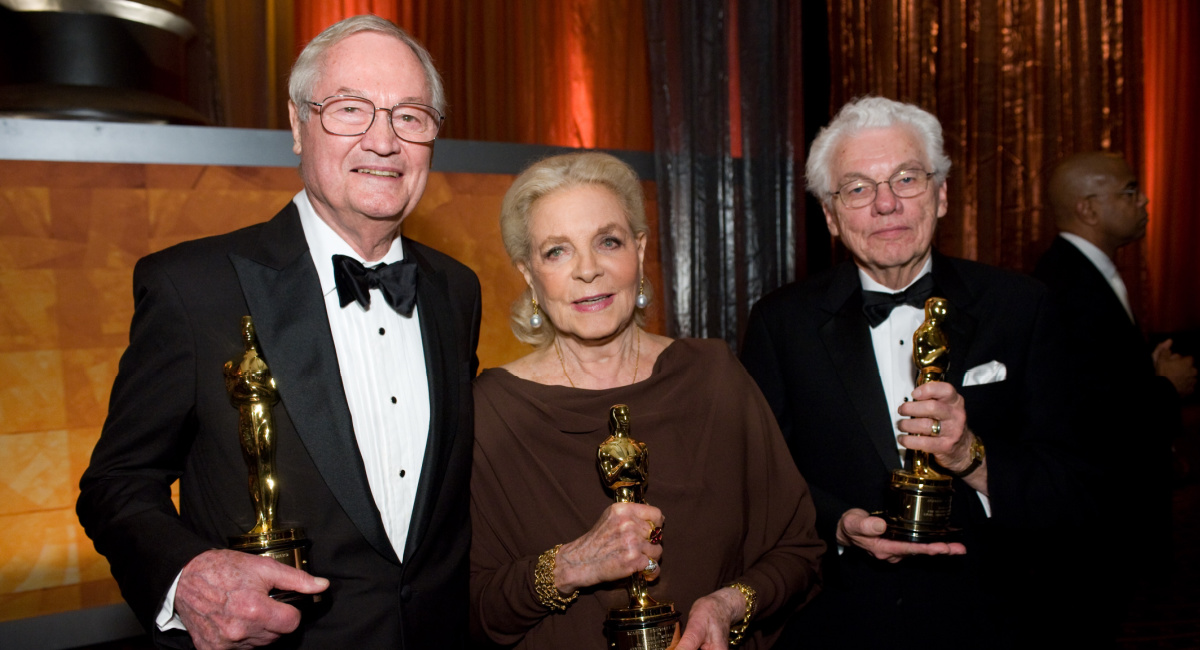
(700, 351)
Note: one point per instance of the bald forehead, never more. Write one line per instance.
(1094, 166)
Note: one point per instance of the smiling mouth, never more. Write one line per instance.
(592, 300)
(378, 172)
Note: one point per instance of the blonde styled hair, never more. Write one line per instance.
(546, 177)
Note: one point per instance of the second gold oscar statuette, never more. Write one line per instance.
(919, 497)
(624, 464)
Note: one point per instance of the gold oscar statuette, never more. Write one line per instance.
(918, 503)
(252, 392)
(624, 465)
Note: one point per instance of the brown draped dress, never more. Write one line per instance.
(736, 508)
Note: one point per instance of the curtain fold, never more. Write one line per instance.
(728, 224)
(1171, 30)
(571, 73)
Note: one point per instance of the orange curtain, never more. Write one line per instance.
(1171, 50)
(570, 73)
(1017, 84)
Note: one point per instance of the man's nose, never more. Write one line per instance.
(381, 137)
(885, 200)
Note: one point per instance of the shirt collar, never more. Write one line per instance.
(869, 284)
(1097, 257)
(324, 243)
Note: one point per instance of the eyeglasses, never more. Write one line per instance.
(349, 115)
(906, 184)
(1131, 193)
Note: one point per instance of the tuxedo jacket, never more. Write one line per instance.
(1127, 406)
(808, 345)
(170, 418)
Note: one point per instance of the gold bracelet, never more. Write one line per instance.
(543, 583)
(738, 632)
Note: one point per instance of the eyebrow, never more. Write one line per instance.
(607, 229)
(361, 93)
(908, 164)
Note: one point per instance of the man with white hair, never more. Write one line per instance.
(370, 339)
(833, 357)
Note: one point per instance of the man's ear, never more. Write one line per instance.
(1085, 213)
(830, 219)
(294, 119)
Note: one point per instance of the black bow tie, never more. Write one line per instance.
(878, 305)
(397, 281)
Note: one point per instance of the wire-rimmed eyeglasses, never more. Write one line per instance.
(350, 115)
(906, 184)
(1130, 193)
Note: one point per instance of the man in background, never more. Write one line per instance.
(1131, 394)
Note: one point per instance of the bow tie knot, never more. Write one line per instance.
(878, 305)
(397, 282)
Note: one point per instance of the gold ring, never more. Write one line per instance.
(655, 535)
(936, 429)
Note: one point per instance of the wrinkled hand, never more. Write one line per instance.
(222, 599)
(1180, 370)
(938, 400)
(616, 547)
(710, 619)
(857, 528)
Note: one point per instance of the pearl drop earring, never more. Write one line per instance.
(535, 321)
(642, 300)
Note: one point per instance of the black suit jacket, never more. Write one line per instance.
(170, 418)
(1127, 407)
(809, 347)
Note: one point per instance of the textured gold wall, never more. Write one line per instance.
(69, 236)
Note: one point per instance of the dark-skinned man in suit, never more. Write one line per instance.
(373, 364)
(1131, 394)
(838, 372)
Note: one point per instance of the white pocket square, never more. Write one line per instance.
(988, 373)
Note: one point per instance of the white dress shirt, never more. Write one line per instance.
(1104, 265)
(892, 341)
(381, 358)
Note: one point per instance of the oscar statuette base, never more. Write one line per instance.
(288, 546)
(918, 508)
(643, 628)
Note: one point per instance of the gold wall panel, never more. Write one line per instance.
(70, 234)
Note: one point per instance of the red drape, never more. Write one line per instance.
(1171, 49)
(570, 72)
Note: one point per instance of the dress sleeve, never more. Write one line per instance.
(782, 549)
(125, 494)
(503, 602)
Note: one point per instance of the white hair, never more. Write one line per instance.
(307, 69)
(872, 113)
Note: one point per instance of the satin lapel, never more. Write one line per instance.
(960, 319)
(437, 335)
(282, 290)
(847, 337)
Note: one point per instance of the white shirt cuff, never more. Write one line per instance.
(167, 619)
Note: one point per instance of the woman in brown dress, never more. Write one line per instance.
(551, 552)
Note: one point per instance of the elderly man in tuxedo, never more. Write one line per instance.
(833, 358)
(370, 338)
(1132, 393)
